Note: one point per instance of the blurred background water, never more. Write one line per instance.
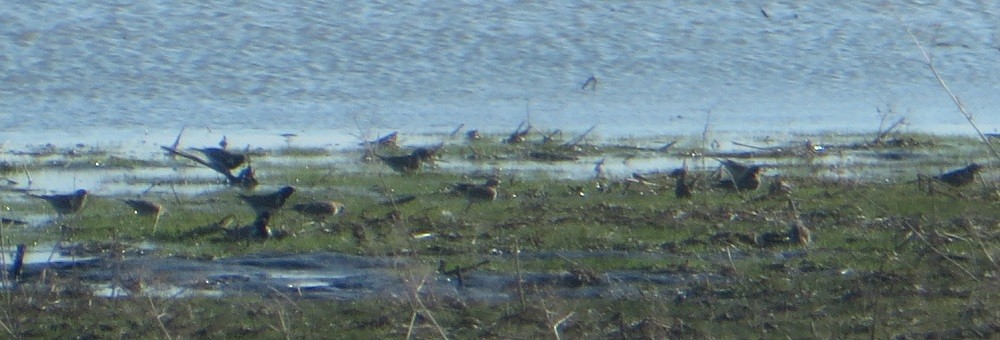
(124, 72)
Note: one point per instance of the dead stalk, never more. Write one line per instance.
(520, 276)
(579, 138)
(159, 318)
(920, 235)
(9, 281)
(954, 98)
(732, 265)
(413, 323)
(878, 139)
(283, 318)
(555, 326)
(422, 308)
(28, 175)
(705, 132)
(7, 328)
(923, 239)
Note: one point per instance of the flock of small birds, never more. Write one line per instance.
(739, 177)
(734, 176)
(265, 205)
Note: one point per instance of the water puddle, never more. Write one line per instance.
(328, 275)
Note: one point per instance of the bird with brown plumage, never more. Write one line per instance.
(146, 208)
(734, 168)
(741, 177)
(487, 192)
(258, 230)
(224, 224)
(797, 232)
(319, 210)
(407, 164)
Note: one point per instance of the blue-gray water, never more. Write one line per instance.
(332, 72)
(345, 277)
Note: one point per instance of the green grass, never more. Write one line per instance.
(888, 258)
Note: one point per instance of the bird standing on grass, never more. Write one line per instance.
(66, 204)
(223, 224)
(258, 230)
(682, 189)
(268, 202)
(408, 163)
(487, 192)
(797, 233)
(146, 208)
(319, 210)
(734, 168)
(741, 176)
(961, 177)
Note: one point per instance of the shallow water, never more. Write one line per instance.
(346, 277)
(105, 72)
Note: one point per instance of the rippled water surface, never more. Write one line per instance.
(122, 72)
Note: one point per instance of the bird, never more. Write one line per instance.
(223, 159)
(221, 164)
(473, 135)
(682, 189)
(961, 177)
(319, 209)
(797, 232)
(215, 227)
(599, 169)
(146, 208)
(591, 82)
(247, 178)
(387, 141)
(268, 202)
(260, 227)
(66, 204)
(407, 163)
(736, 169)
(741, 176)
(462, 188)
(486, 192)
(778, 187)
(257, 230)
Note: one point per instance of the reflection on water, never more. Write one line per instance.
(346, 277)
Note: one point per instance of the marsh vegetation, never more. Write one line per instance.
(567, 249)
